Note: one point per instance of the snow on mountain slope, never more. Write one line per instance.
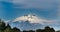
(32, 19)
(30, 22)
(26, 25)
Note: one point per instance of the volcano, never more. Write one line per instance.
(27, 22)
(31, 18)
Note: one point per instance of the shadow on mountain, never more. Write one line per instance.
(7, 28)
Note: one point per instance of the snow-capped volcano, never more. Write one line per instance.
(30, 22)
(26, 25)
(31, 18)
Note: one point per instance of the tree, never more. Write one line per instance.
(8, 28)
(15, 29)
(58, 31)
(25, 31)
(2, 25)
(52, 30)
(48, 29)
(31, 31)
(38, 30)
(4, 28)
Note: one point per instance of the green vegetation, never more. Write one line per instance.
(47, 29)
(7, 28)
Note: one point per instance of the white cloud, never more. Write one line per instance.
(43, 4)
(59, 9)
(35, 19)
(7, 0)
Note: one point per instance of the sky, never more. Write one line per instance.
(48, 10)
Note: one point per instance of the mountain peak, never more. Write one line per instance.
(30, 15)
(31, 18)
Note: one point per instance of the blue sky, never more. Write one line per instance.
(12, 10)
(47, 9)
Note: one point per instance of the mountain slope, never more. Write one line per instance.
(26, 25)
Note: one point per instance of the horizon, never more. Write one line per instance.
(47, 12)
